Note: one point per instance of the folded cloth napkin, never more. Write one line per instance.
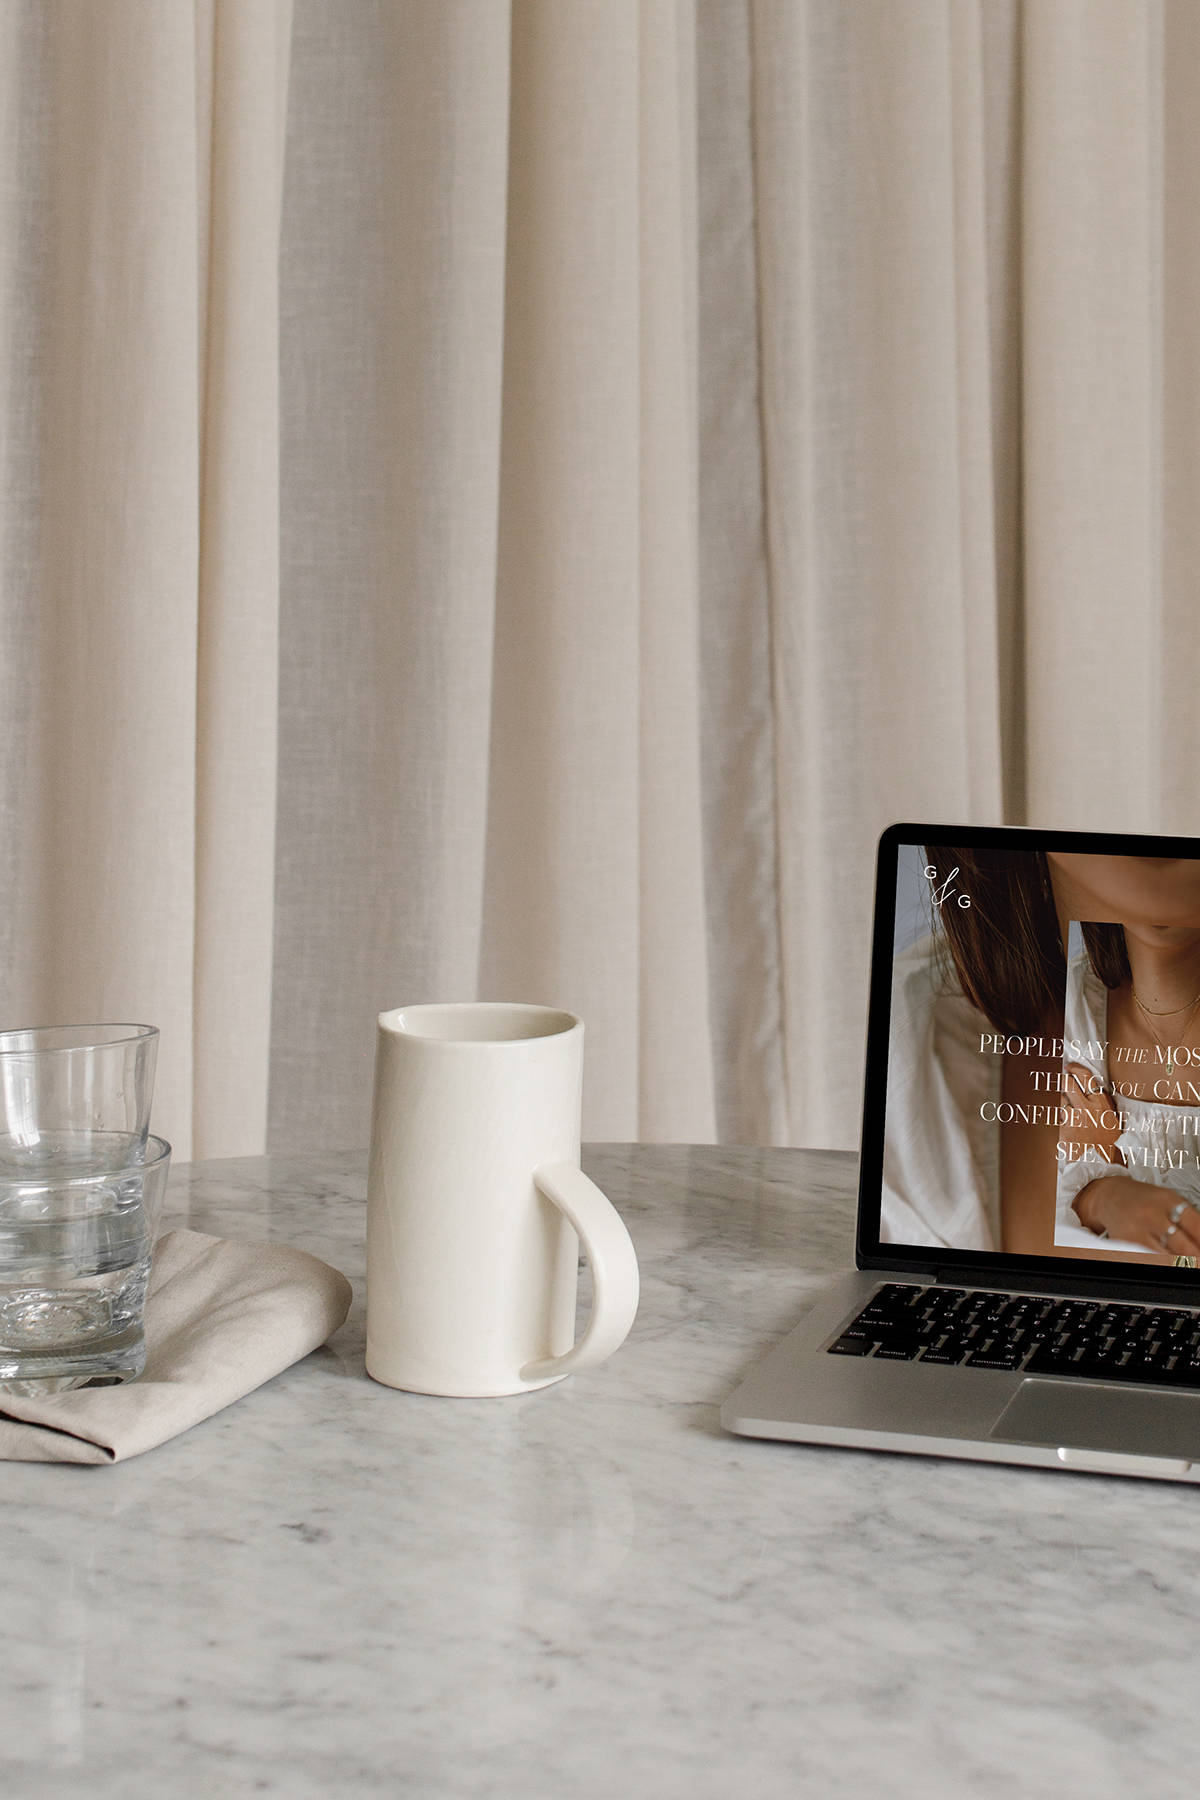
(221, 1318)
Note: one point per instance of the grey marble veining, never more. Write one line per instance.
(335, 1589)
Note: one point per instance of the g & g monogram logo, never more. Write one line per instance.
(947, 891)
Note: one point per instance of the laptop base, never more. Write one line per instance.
(801, 1394)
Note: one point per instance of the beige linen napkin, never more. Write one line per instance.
(221, 1318)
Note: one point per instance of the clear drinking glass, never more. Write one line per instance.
(75, 1253)
(75, 1098)
(81, 1192)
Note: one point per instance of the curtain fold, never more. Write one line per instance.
(737, 701)
(561, 918)
(676, 1087)
(99, 234)
(1174, 655)
(875, 400)
(393, 352)
(1092, 307)
(243, 56)
(507, 499)
(139, 238)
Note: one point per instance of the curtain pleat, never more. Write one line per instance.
(1092, 205)
(561, 919)
(738, 713)
(676, 1092)
(393, 346)
(140, 236)
(102, 469)
(242, 66)
(1177, 649)
(875, 396)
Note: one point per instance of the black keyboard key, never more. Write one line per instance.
(995, 1357)
(852, 1344)
(1154, 1370)
(1058, 1358)
(1097, 1368)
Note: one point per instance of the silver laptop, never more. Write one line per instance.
(1027, 1281)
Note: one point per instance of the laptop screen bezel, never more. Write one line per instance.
(1066, 1274)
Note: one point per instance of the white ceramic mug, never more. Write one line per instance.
(474, 1199)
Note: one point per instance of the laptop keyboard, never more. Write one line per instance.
(1098, 1340)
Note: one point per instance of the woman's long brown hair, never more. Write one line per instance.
(1006, 947)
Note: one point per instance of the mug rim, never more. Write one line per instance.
(393, 1021)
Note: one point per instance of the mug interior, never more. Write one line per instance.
(479, 1022)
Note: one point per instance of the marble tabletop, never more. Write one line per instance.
(334, 1589)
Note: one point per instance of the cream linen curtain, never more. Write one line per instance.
(508, 499)
(490, 702)
(139, 225)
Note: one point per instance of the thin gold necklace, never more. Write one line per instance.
(1166, 1015)
(1162, 1012)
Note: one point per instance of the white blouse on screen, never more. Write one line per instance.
(1153, 1128)
(941, 1161)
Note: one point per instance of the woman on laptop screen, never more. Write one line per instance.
(1046, 1053)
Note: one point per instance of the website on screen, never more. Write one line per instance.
(1044, 1062)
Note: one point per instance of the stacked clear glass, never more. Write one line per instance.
(82, 1184)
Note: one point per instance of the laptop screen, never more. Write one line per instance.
(1033, 1077)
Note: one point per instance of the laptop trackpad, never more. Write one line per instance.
(1080, 1416)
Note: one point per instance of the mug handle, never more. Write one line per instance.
(609, 1249)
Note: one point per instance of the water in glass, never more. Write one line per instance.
(74, 1263)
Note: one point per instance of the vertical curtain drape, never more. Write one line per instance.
(866, 140)
(139, 228)
(489, 707)
(509, 498)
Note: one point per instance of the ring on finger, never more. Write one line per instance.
(1168, 1234)
(1178, 1210)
